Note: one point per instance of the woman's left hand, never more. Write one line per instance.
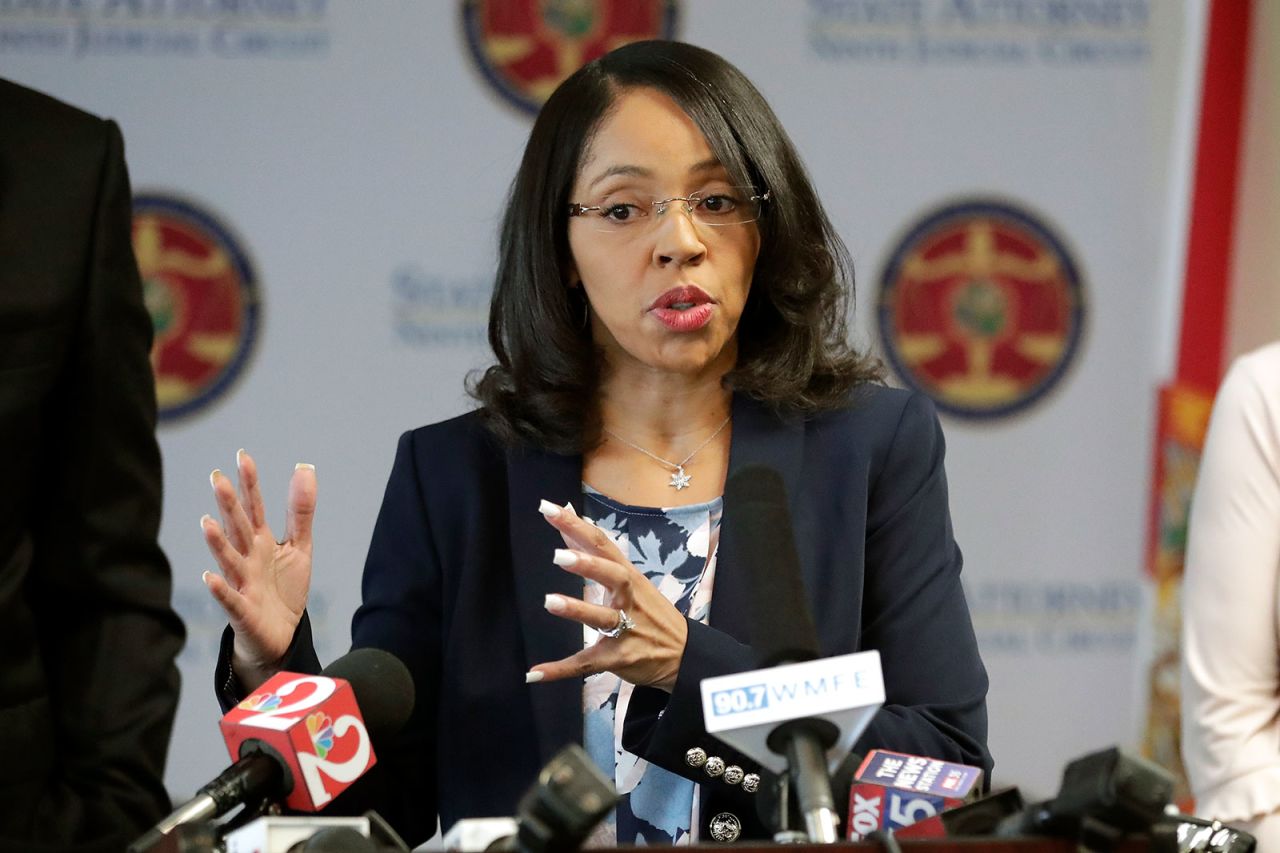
(649, 652)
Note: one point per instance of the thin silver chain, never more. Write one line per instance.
(675, 466)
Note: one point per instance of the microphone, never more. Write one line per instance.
(1108, 794)
(776, 807)
(342, 839)
(369, 833)
(807, 709)
(894, 790)
(981, 817)
(782, 625)
(302, 738)
(918, 774)
(1188, 834)
(1103, 795)
(555, 815)
(874, 806)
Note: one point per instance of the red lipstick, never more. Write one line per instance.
(683, 309)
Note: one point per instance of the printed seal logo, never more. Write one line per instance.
(981, 308)
(525, 48)
(203, 299)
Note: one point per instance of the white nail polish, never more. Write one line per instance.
(568, 507)
(203, 519)
(532, 677)
(564, 557)
(213, 477)
(302, 465)
(554, 603)
(548, 509)
(239, 457)
(204, 578)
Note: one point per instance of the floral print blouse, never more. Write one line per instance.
(675, 547)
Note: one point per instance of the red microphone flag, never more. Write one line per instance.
(314, 725)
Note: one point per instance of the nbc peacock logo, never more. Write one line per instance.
(320, 729)
(260, 702)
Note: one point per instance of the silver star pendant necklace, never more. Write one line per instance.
(679, 479)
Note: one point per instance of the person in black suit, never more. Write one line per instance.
(670, 307)
(88, 638)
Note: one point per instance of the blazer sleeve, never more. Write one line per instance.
(662, 727)
(109, 635)
(913, 612)
(914, 609)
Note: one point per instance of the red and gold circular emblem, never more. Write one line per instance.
(981, 308)
(525, 48)
(203, 299)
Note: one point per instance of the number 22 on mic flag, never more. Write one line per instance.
(314, 725)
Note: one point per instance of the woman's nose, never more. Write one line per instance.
(677, 239)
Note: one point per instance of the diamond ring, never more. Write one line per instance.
(625, 624)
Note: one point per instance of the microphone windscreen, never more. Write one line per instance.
(383, 688)
(335, 839)
(782, 630)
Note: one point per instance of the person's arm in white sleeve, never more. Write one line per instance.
(1231, 652)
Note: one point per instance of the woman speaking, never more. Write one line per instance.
(559, 565)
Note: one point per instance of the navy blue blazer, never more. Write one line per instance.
(460, 563)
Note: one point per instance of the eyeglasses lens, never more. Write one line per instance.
(622, 213)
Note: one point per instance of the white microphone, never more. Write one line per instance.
(844, 692)
(802, 713)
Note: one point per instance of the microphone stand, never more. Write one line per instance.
(804, 742)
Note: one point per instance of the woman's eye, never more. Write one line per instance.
(621, 212)
(719, 203)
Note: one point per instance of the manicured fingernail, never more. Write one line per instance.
(554, 603)
(203, 519)
(239, 457)
(204, 578)
(548, 509)
(302, 465)
(564, 557)
(532, 677)
(568, 507)
(213, 477)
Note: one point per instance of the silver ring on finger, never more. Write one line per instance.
(625, 623)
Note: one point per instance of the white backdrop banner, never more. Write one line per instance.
(324, 178)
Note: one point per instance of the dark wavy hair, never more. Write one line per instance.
(793, 351)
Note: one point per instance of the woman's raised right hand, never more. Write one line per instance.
(264, 583)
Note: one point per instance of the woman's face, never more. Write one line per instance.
(666, 289)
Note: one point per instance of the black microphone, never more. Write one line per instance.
(1103, 795)
(384, 694)
(1108, 794)
(555, 815)
(783, 631)
(338, 839)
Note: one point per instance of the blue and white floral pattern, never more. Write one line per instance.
(675, 548)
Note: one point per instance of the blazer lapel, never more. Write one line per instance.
(531, 477)
(760, 437)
